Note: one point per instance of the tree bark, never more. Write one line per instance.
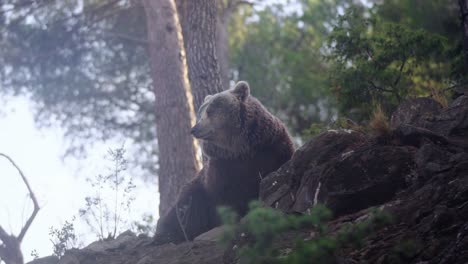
(225, 10)
(222, 46)
(10, 249)
(174, 107)
(464, 20)
(199, 26)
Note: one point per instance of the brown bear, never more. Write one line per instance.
(242, 143)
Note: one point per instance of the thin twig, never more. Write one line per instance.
(454, 86)
(400, 73)
(379, 88)
(182, 227)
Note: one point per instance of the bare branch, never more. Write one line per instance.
(376, 87)
(392, 91)
(455, 86)
(31, 194)
(182, 226)
(400, 73)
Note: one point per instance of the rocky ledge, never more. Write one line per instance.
(418, 173)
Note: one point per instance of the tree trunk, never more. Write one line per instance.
(10, 249)
(225, 10)
(222, 47)
(174, 107)
(198, 19)
(464, 20)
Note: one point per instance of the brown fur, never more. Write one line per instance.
(231, 176)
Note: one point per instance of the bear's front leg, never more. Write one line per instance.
(193, 214)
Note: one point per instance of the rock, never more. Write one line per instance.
(416, 136)
(213, 235)
(428, 215)
(366, 177)
(340, 169)
(419, 176)
(45, 260)
(416, 112)
(280, 189)
(141, 251)
(122, 241)
(426, 116)
(459, 91)
(452, 121)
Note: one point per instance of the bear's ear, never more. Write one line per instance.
(241, 90)
(207, 98)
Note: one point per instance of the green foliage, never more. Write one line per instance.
(104, 211)
(404, 252)
(340, 123)
(63, 238)
(313, 130)
(438, 17)
(373, 55)
(263, 225)
(84, 66)
(353, 234)
(279, 50)
(229, 218)
(376, 61)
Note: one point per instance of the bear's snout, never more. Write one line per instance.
(196, 131)
(199, 132)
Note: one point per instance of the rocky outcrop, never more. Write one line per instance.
(417, 112)
(293, 188)
(129, 248)
(429, 114)
(418, 173)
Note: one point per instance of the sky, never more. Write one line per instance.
(59, 183)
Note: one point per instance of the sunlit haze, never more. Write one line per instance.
(59, 184)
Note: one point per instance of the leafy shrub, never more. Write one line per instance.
(263, 225)
(63, 238)
(376, 61)
(104, 214)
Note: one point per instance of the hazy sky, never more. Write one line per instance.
(59, 185)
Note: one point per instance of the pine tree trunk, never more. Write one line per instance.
(222, 47)
(174, 107)
(198, 19)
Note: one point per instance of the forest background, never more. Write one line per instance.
(87, 70)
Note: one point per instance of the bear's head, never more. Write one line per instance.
(219, 117)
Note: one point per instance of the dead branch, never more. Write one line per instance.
(10, 251)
